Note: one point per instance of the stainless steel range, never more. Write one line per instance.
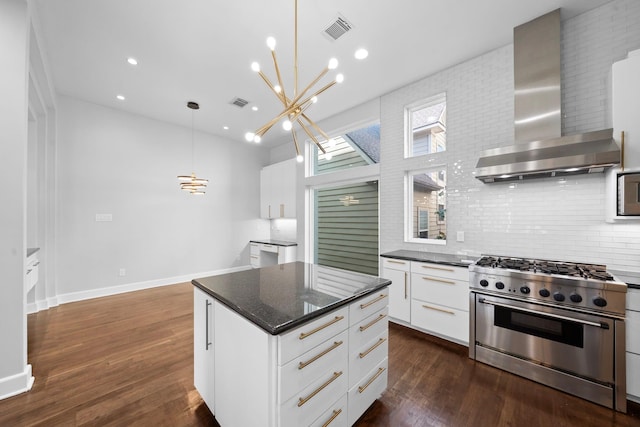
(558, 323)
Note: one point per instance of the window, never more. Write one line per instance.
(426, 206)
(426, 127)
(360, 147)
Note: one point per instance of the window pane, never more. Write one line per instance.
(427, 125)
(360, 147)
(428, 205)
(347, 227)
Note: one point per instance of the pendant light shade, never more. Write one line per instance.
(191, 183)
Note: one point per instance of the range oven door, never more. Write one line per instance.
(577, 343)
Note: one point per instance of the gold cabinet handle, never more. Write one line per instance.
(281, 210)
(405, 285)
(622, 151)
(438, 268)
(373, 347)
(381, 297)
(439, 309)
(304, 400)
(396, 262)
(269, 211)
(373, 322)
(304, 335)
(255, 256)
(335, 345)
(372, 379)
(333, 417)
(433, 279)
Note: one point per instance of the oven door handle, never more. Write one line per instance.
(602, 325)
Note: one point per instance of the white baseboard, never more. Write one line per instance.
(129, 287)
(16, 384)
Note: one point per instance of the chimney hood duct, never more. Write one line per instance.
(540, 150)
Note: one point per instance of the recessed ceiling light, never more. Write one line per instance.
(120, 97)
(254, 108)
(225, 127)
(361, 53)
(132, 61)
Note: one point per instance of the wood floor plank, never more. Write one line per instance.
(127, 360)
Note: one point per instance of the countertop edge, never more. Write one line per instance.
(294, 323)
(273, 242)
(425, 259)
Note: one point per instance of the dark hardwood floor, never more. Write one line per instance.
(127, 360)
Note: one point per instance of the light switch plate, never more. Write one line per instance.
(460, 236)
(104, 217)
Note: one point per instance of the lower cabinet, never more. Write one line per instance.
(632, 324)
(203, 354)
(430, 297)
(324, 373)
(263, 255)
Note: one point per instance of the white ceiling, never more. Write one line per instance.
(201, 50)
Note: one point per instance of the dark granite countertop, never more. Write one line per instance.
(631, 278)
(281, 297)
(438, 258)
(274, 242)
(31, 251)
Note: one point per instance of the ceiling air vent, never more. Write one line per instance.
(337, 28)
(239, 102)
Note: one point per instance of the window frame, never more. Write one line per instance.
(409, 206)
(408, 122)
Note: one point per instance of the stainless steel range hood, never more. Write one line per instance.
(540, 150)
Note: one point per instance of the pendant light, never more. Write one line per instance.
(192, 183)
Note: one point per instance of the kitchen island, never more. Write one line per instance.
(293, 344)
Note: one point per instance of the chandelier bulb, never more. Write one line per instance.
(299, 158)
(328, 156)
(339, 78)
(271, 42)
(287, 125)
(257, 139)
(277, 88)
(333, 63)
(249, 136)
(314, 99)
(255, 67)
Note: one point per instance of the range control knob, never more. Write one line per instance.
(575, 298)
(525, 289)
(484, 283)
(600, 302)
(558, 296)
(544, 292)
(499, 285)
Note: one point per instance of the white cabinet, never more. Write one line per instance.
(203, 353)
(278, 190)
(632, 324)
(431, 297)
(265, 254)
(398, 271)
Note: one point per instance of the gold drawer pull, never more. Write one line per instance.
(335, 345)
(254, 256)
(373, 378)
(396, 262)
(333, 417)
(304, 400)
(304, 335)
(405, 285)
(433, 279)
(439, 309)
(380, 298)
(373, 322)
(438, 268)
(373, 347)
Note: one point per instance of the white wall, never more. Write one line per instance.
(15, 373)
(111, 162)
(538, 218)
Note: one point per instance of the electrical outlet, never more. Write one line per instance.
(104, 217)
(122, 272)
(460, 236)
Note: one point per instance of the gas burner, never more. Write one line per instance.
(568, 269)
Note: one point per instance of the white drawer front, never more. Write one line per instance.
(368, 328)
(396, 264)
(304, 369)
(308, 404)
(269, 248)
(302, 339)
(365, 307)
(633, 299)
(364, 358)
(335, 416)
(366, 391)
(440, 270)
(632, 326)
(447, 292)
(633, 375)
(255, 248)
(443, 321)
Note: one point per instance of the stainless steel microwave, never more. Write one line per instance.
(629, 194)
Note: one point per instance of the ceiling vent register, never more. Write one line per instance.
(338, 27)
(239, 102)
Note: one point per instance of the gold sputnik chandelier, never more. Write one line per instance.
(294, 107)
(192, 183)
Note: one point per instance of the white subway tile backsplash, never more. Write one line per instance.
(546, 218)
